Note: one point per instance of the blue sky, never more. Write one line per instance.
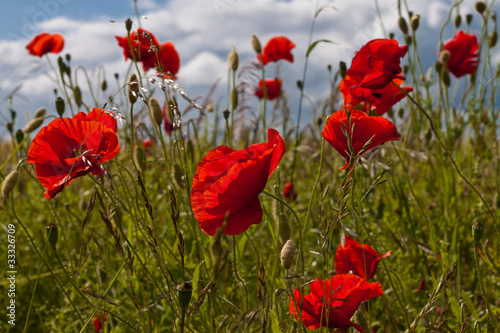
(203, 32)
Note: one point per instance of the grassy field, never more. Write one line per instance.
(125, 244)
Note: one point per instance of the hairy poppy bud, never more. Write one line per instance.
(342, 69)
(233, 59)
(140, 159)
(40, 112)
(444, 56)
(33, 124)
(226, 114)
(480, 7)
(133, 89)
(104, 85)
(415, 22)
(155, 111)
(19, 136)
(492, 39)
(391, 35)
(60, 106)
(477, 231)
(256, 44)
(403, 25)
(457, 20)
(77, 92)
(10, 127)
(8, 184)
(287, 254)
(184, 292)
(445, 76)
(52, 234)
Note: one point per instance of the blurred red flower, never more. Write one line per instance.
(141, 41)
(45, 43)
(464, 54)
(289, 192)
(380, 100)
(376, 64)
(359, 259)
(68, 148)
(167, 123)
(363, 128)
(99, 321)
(331, 303)
(273, 89)
(422, 286)
(230, 181)
(98, 115)
(277, 48)
(167, 63)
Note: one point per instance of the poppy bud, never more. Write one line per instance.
(60, 105)
(52, 234)
(445, 76)
(33, 124)
(457, 20)
(234, 98)
(116, 75)
(480, 7)
(477, 231)
(343, 69)
(178, 175)
(77, 92)
(8, 184)
(155, 111)
(492, 39)
(68, 57)
(128, 24)
(299, 84)
(209, 107)
(415, 22)
(104, 85)
(444, 56)
(40, 112)
(226, 113)
(408, 40)
(133, 89)
(10, 127)
(184, 292)
(438, 66)
(391, 35)
(287, 254)
(256, 44)
(19, 136)
(140, 159)
(233, 59)
(403, 25)
(468, 18)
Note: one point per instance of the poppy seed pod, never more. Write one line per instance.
(133, 89)
(33, 124)
(256, 44)
(104, 85)
(77, 92)
(155, 111)
(444, 56)
(184, 292)
(468, 18)
(287, 254)
(128, 24)
(477, 231)
(8, 183)
(60, 106)
(457, 21)
(233, 59)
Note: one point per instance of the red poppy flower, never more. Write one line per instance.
(377, 64)
(99, 322)
(331, 303)
(141, 41)
(289, 192)
(277, 48)
(359, 259)
(380, 100)
(230, 181)
(45, 43)
(464, 54)
(362, 129)
(168, 61)
(273, 89)
(68, 148)
(422, 286)
(98, 115)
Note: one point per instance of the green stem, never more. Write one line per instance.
(481, 285)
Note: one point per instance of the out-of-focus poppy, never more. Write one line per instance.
(277, 48)
(273, 89)
(44, 43)
(141, 41)
(166, 61)
(464, 54)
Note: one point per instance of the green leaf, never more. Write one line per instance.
(313, 45)
(275, 323)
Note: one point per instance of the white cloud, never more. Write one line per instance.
(204, 69)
